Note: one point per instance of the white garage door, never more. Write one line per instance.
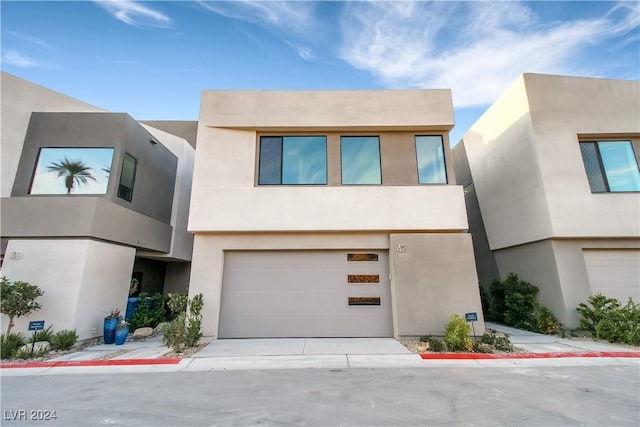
(614, 273)
(305, 294)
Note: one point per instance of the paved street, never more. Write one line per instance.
(440, 396)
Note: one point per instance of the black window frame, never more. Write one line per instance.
(119, 194)
(601, 167)
(444, 159)
(280, 166)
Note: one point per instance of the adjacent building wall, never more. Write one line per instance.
(540, 215)
(82, 279)
(19, 99)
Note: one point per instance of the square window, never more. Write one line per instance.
(292, 160)
(360, 160)
(72, 170)
(611, 166)
(430, 156)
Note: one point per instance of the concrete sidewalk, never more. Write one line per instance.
(323, 353)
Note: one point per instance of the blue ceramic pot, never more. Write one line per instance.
(121, 335)
(109, 329)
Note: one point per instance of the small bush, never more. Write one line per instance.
(546, 322)
(43, 335)
(10, 343)
(513, 302)
(599, 307)
(457, 334)
(18, 299)
(480, 347)
(64, 339)
(434, 343)
(500, 343)
(26, 354)
(186, 329)
(496, 302)
(150, 312)
(177, 303)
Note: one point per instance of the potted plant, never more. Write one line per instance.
(111, 321)
(122, 331)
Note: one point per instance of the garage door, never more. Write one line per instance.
(614, 273)
(305, 294)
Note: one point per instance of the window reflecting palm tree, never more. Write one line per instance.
(74, 172)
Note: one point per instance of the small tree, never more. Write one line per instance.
(18, 299)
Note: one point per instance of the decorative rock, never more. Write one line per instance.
(143, 332)
(422, 347)
(39, 346)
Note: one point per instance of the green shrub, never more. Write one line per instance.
(18, 299)
(599, 308)
(26, 354)
(457, 334)
(496, 302)
(186, 329)
(177, 303)
(606, 318)
(513, 302)
(546, 322)
(10, 343)
(64, 339)
(434, 343)
(500, 343)
(150, 312)
(42, 335)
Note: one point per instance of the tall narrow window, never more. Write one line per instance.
(360, 159)
(430, 156)
(127, 177)
(292, 160)
(611, 166)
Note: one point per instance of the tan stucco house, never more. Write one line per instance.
(553, 188)
(83, 241)
(329, 214)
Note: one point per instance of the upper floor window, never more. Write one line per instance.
(71, 170)
(127, 177)
(430, 155)
(360, 159)
(293, 160)
(611, 166)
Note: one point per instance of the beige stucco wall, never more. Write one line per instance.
(527, 169)
(505, 172)
(325, 110)
(562, 108)
(82, 280)
(19, 99)
(432, 277)
(225, 196)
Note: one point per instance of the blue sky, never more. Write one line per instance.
(152, 59)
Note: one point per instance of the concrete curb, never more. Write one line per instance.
(423, 356)
(502, 356)
(85, 363)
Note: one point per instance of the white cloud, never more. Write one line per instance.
(16, 59)
(286, 18)
(34, 41)
(475, 48)
(134, 13)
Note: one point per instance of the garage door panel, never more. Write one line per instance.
(302, 294)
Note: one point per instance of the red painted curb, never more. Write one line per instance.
(107, 362)
(501, 356)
